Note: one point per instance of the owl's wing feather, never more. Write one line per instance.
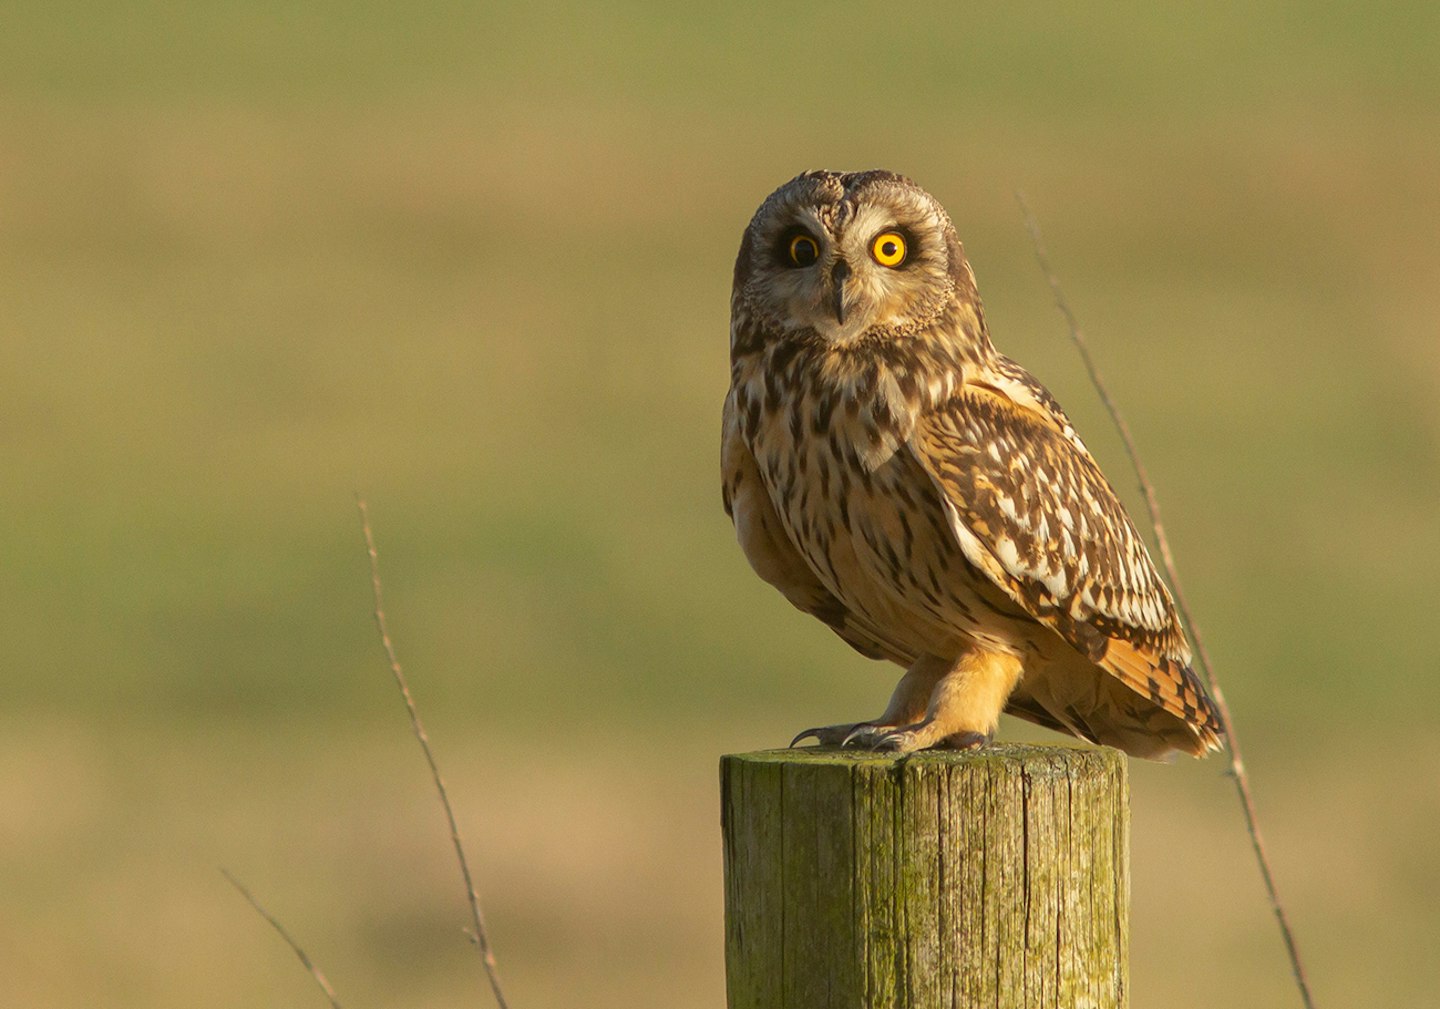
(1032, 511)
(775, 558)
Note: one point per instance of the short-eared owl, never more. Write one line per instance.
(893, 474)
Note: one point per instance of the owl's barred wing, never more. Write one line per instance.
(1032, 511)
(774, 557)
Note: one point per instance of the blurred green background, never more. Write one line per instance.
(474, 263)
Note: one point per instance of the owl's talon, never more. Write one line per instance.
(878, 737)
(906, 740)
(829, 735)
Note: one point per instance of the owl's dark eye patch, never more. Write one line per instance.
(799, 248)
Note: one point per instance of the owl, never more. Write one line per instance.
(893, 474)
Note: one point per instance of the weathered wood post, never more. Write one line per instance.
(858, 881)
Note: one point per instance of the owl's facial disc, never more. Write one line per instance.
(846, 256)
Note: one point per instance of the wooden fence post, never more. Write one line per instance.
(858, 881)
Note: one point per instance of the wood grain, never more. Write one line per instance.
(997, 879)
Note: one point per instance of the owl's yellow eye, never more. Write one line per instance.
(804, 250)
(888, 248)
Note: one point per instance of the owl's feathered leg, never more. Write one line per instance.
(907, 705)
(962, 711)
(966, 704)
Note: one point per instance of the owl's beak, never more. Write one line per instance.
(838, 275)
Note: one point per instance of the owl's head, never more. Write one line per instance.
(850, 255)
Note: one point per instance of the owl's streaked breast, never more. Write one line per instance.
(828, 440)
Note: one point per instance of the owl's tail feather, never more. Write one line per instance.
(1101, 709)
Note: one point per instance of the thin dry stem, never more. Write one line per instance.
(289, 940)
(1152, 504)
(478, 935)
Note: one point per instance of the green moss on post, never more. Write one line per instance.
(858, 880)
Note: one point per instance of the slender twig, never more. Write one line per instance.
(477, 918)
(289, 940)
(1152, 504)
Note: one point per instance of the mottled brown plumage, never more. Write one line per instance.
(894, 475)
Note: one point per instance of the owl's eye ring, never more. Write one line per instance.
(804, 250)
(889, 249)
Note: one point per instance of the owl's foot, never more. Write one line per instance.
(926, 735)
(938, 704)
(883, 738)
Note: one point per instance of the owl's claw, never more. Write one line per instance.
(860, 733)
(871, 736)
(831, 735)
(806, 734)
(899, 740)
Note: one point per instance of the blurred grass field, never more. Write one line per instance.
(474, 264)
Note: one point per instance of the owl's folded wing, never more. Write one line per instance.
(1032, 511)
